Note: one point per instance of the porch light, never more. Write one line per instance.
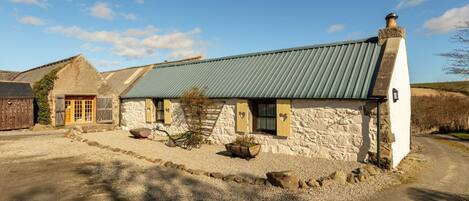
(395, 95)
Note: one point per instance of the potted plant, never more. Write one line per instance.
(244, 147)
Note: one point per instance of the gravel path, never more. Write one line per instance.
(51, 167)
(212, 158)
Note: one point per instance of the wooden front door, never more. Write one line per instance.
(79, 109)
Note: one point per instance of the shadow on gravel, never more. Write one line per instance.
(159, 183)
(75, 178)
(432, 195)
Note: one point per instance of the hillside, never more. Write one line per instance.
(459, 87)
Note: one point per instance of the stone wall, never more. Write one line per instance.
(326, 129)
(81, 78)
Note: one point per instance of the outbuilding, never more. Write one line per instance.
(330, 100)
(16, 105)
(72, 92)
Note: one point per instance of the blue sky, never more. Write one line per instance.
(116, 34)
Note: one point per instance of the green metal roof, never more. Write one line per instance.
(343, 70)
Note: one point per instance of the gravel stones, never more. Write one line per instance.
(216, 175)
(260, 181)
(313, 183)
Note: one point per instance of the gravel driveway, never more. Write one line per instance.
(214, 158)
(444, 177)
(51, 167)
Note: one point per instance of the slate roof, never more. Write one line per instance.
(35, 74)
(15, 89)
(122, 79)
(7, 75)
(342, 70)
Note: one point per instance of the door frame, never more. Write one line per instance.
(70, 112)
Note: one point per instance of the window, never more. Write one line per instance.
(159, 107)
(264, 112)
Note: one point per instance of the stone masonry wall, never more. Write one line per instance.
(326, 129)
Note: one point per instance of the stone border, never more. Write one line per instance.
(356, 176)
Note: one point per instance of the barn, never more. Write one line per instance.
(16, 105)
(346, 100)
(72, 92)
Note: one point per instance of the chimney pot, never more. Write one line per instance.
(391, 20)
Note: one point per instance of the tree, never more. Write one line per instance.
(458, 59)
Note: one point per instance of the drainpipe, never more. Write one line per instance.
(378, 124)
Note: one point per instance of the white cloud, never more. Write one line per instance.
(129, 16)
(106, 63)
(336, 28)
(91, 48)
(101, 10)
(147, 31)
(408, 3)
(31, 20)
(449, 21)
(40, 3)
(140, 1)
(138, 43)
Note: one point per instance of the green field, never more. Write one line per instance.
(460, 86)
(462, 136)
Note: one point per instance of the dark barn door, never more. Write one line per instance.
(104, 110)
(60, 110)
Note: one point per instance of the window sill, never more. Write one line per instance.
(268, 135)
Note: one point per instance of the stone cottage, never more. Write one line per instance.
(79, 94)
(330, 100)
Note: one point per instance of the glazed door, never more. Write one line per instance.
(79, 109)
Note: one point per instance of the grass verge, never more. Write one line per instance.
(461, 136)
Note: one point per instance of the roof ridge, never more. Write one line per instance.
(155, 64)
(51, 63)
(369, 39)
(127, 68)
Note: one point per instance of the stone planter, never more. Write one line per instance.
(140, 132)
(243, 151)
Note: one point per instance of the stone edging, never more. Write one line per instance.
(358, 175)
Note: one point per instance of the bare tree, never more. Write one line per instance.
(458, 59)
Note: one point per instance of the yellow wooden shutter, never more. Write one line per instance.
(168, 119)
(242, 116)
(283, 118)
(149, 110)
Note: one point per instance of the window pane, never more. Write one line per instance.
(271, 110)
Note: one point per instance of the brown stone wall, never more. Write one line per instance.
(81, 78)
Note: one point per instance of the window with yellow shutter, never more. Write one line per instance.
(159, 110)
(264, 113)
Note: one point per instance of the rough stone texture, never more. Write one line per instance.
(339, 176)
(313, 183)
(390, 32)
(79, 77)
(326, 129)
(140, 132)
(285, 179)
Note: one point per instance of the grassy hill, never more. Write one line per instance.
(460, 86)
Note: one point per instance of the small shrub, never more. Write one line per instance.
(245, 140)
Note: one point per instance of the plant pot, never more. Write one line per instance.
(243, 151)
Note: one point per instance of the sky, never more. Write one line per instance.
(117, 34)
